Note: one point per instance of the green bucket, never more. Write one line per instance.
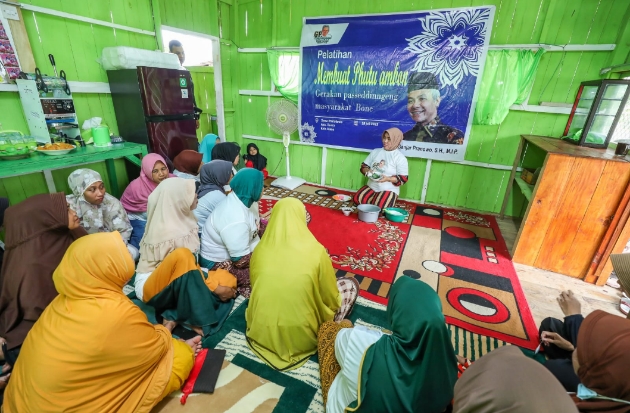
(101, 136)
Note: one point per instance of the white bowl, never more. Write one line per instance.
(56, 152)
(346, 211)
(342, 197)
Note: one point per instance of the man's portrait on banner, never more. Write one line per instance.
(423, 101)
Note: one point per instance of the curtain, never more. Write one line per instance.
(284, 67)
(508, 78)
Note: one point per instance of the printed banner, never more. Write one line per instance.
(417, 72)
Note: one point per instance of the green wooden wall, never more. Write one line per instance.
(77, 47)
(267, 23)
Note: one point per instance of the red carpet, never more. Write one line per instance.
(371, 250)
(461, 255)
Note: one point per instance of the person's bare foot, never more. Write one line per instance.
(170, 325)
(197, 330)
(195, 344)
(569, 304)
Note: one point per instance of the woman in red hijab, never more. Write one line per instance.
(188, 164)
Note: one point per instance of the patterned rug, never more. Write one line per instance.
(246, 384)
(462, 255)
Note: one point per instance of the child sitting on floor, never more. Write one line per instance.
(253, 159)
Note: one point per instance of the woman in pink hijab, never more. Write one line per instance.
(134, 199)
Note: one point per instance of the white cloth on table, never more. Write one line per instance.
(350, 345)
(386, 163)
(231, 231)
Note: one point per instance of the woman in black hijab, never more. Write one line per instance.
(253, 159)
(227, 151)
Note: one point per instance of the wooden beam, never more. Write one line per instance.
(21, 43)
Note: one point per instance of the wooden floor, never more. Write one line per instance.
(542, 287)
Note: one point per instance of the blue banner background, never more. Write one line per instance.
(382, 42)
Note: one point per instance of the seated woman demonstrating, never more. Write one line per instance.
(39, 230)
(214, 176)
(282, 328)
(168, 277)
(253, 159)
(134, 199)
(92, 349)
(188, 164)
(387, 170)
(97, 210)
(231, 233)
(412, 370)
(206, 146)
(505, 380)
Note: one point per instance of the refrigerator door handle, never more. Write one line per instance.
(169, 118)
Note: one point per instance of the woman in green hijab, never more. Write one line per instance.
(412, 370)
(231, 233)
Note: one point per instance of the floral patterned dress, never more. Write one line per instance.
(109, 216)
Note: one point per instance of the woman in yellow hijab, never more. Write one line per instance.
(282, 325)
(92, 349)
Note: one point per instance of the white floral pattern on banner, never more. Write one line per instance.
(451, 44)
(307, 133)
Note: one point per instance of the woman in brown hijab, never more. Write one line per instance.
(602, 362)
(188, 164)
(39, 230)
(507, 381)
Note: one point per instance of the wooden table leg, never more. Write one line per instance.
(113, 178)
(508, 190)
(134, 160)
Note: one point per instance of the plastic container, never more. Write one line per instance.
(368, 213)
(121, 57)
(396, 214)
(101, 137)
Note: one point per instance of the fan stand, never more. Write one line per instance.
(287, 182)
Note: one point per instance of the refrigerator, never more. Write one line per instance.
(154, 106)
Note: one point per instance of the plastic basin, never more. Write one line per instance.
(368, 213)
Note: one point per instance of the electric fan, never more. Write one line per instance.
(282, 118)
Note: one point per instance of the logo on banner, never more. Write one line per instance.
(322, 36)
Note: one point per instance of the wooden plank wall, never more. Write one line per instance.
(77, 46)
(266, 23)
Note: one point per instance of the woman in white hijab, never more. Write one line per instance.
(97, 210)
(168, 277)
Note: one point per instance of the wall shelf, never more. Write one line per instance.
(526, 188)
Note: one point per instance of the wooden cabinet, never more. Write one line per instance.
(571, 206)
